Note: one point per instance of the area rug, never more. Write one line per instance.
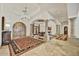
(22, 45)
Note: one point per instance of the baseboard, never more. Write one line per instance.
(76, 38)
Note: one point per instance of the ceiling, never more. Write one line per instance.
(57, 10)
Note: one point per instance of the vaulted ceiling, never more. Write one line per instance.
(56, 10)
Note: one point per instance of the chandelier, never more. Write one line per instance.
(25, 14)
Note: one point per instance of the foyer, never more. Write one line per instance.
(38, 29)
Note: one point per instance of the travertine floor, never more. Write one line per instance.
(4, 51)
(51, 48)
(55, 48)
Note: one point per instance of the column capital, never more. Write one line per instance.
(73, 18)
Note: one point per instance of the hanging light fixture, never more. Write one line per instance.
(25, 14)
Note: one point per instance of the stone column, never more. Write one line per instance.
(72, 21)
(69, 28)
(28, 29)
(46, 29)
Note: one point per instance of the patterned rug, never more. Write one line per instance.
(22, 45)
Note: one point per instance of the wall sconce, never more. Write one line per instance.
(7, 27)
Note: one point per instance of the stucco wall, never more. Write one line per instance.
(0, 33)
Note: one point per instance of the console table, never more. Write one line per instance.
(6, 37)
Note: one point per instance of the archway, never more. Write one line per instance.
(65, 30)
(19, 30)
(38, 29)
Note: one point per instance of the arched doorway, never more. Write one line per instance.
(65, 30)
(38, 29)
(19, 30)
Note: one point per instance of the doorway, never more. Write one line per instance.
(65, 30)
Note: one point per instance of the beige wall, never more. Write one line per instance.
(0, 33)
(72, 9)
(76, 27)
(0, 26)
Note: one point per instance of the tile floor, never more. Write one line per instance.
(51, 48)
(4, 51)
